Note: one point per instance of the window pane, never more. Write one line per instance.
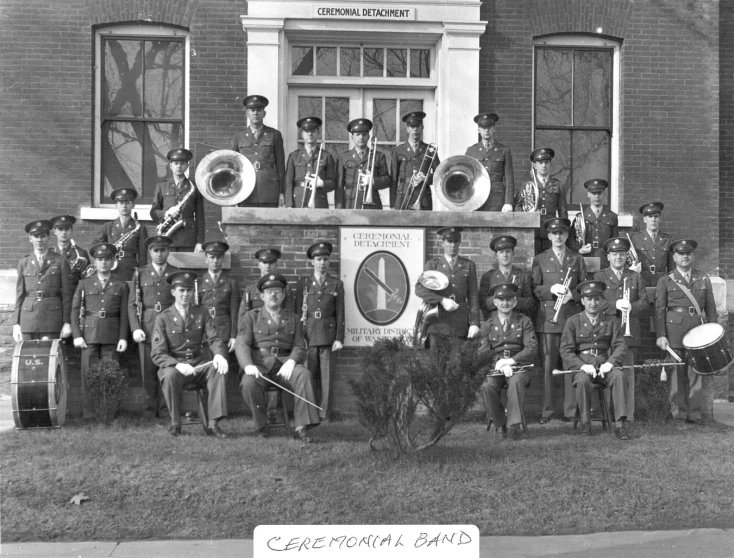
(408, 106)
(123, 78)
(164, 79)
(122, 151)
(337, 118)
(383, 118)
(374, 61)
(592, 88)
(349, 59)
(560, 142)
(397, 62)
(590, 155)
(420, 63)
(160, 139)
(553, 87)
(309, 106)
(302, 61)
(336, 148)
(326, 61)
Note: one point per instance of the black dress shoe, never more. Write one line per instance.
(586, 429)
(502, 429)
(621, 433)
(174, 430)
(302, 436)
(215, 430)
(515, 432)
(545, 420)
(263, 432)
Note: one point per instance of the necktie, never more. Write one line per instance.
(104, 283)
(618, 274)
(505, 325)
(257, 133)
(215, 278)
(361, 154)
(40, 261)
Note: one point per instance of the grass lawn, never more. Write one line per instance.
(142, 483)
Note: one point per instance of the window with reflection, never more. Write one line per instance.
(347, 61)
(387, 115)
(334, 113)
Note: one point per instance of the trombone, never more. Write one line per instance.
(312, 187)
(367, 196)
(427, 169)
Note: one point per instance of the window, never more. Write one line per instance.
(361, 61)
(334, 113)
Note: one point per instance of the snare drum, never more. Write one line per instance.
(708, 348)
(38, 384)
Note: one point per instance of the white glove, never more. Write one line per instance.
(501, 363)
(122, 345)
(310, 180)
(507, 370)
(231, 344)
(605, 368)
(336, 346)
(172, 212)
(623, 305)
(449, 304)
(286, 370)
(589, 369)
(507, 208)
(139, 336)
(568, 296)
(418, 179)
(220, 364)
(473, 331)
(17, 333)
(66, 331)
(198, 247)
(185, 369)
(662, 342)
(585, 249)
(79, 343)
(251, 370)
(637, 267)
(558, 289)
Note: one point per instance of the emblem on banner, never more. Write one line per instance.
(381, 288)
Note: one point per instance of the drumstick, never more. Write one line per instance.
(673, 353)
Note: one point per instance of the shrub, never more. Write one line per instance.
(107, 383)
(652, 396)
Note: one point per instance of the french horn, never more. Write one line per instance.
(462, 183)
(225, 177)
(436, 281)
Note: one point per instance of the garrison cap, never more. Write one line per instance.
(414, 118)
(62, 221)
(486, 119)
(617, 244)
(255, 101)
(542, 154)
(103, 250)
(124, 194)
(450, 233)
(215, 247)
(359, 125)
(503, 243)
(683, 246)
(37, 227)
(591, 288)
(557, 224)
(319, 249)
(652, 208)
(158, 241)
(182, 279)
(596, 185)
(503, 290)
(180, 154)
(270, 281)
(309, 123)
(268, 255)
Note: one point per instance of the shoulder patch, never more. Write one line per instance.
(157, 337)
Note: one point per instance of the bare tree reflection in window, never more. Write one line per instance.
(397, 62)
(326, 61)
(592, 89)
(123, 78)
(553, 87)
(336, 119)
(349, 61)
(420, 63)
(406, 107)
(590, 160)
(374, 62)
(302, 61)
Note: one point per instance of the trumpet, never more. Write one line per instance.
(367, 196)
(559, 300)
(632, 257)
(312, 187)
(171, 223)
(626, 313)
(427, 169)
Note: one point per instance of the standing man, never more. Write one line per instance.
(459, 312)
(497, 159)
(77, 257)
(407, 160)
(601, 223)
(353, 170)
(184, 339)
(301, 173)
(267, 263)
(652, 245)
(506, 272)
(550, 268)
(155, 296)
(321, 300)
(99, 317)
(592, 343)
(684, 299)
(270, 343)
(43, 291)
(126, 231)
(551, 200)
(219, 294)
(263, 147)
(511, 339)
(615, 277)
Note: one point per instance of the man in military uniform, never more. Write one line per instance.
(601, 223)
(78, 258)
(550, 268)
(459, 311)
(43, 291)
(506, 272)
(263, 147)
(132, 253)
(511, 339)
(270, 343)
(155, 296)
(615, 277)
(684, 299)
(321, 299)
(652, 245)
(183, 341)
(219, 294)
(267, 263)
(592, 343)
(180, 190)
(407, 160)
(497, 159)
(551, 200)
(353, 164)
(299, 171)
(99, 317)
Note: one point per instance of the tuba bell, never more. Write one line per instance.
(225, 177)
(461, 183)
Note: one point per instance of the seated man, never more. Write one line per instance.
(511, 338)
(270, 343)
(592, 343)
(180, 338)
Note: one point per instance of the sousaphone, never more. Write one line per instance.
(462, 183)
(225, 177)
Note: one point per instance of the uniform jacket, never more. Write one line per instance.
(43, 296)
(192, 340)
(111, 302)
(615, 291)
(256, 302)
(299, 164)
(325, 309)
(579, 335)
(598, 231)
(268, 157)
(348, 166)
(258, 330)
(462, 288)
(222, 301)
(166, 196)
(519, 339)
(497, 159)
(404, 162)
(655, 257)
(71, 256)
(156, 298)
(547, 271)
(674, 325)
(525, 300)
(551, 199)
(133, 253)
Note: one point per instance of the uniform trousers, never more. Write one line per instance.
(615, 380)
(90, 357)
(153, 400)
(41, 335)
(550, 345)
(320, 361)
(685, 389)
(173, 382)
(629, 373)
(491, 395)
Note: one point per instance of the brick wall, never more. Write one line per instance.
(726, 138)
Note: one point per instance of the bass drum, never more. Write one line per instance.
(38, 384)
(708, 348)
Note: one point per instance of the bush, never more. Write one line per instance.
(107, 384)
(652, 397)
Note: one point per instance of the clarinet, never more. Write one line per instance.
(82, 312)
(138, 296)
(304, 307)
(248, 301)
